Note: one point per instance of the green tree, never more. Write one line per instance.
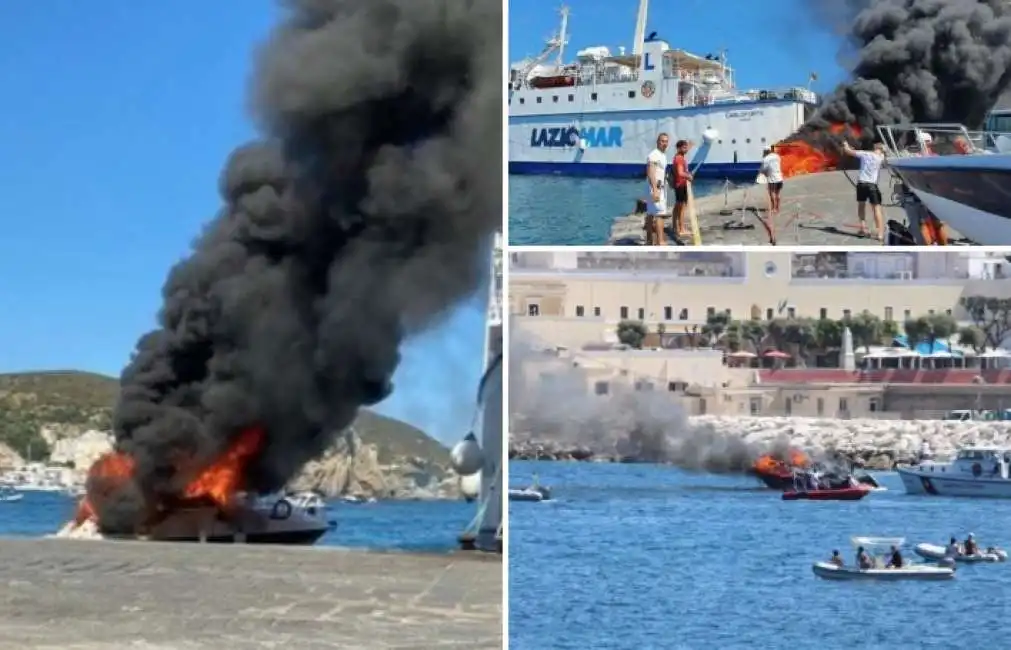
(889, 330)
(716, 325)
(754, 332)
(632, 333)
(991, 315)
(867, 330)
(972, 337)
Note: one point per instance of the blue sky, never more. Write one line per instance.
(770, 44)
(117, 117)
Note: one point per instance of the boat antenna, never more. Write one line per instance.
(640, 28)
(563, 34)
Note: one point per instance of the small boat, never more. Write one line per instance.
(9, 494)
(835, 494)
(936, 552)
(878, 548)
(829, 571)
(533, 493)
(976, 472)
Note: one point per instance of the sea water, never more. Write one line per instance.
(392, 525)
(568, 211)
(645, 556)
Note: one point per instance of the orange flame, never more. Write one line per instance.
(771, 464)
(800, 156)
(218, 482)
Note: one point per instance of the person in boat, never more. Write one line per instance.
(970, 547)
(836, 559)
(895, 561)
(952, 550)
(863, 559)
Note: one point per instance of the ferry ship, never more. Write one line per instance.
(600, 115)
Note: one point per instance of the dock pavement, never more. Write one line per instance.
(817, 210)
(113, 595)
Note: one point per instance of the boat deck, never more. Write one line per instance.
(104, 595)
(818, 210)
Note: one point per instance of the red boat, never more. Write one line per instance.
(835, 494)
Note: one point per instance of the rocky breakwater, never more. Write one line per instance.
(872, 444)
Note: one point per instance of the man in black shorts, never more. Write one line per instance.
(680, 181)
(867, 186)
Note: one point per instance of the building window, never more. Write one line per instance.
(874, 404)
(668, 313)
(888, 313)
(821, 406)
(624, 313)
(596, 311)
(756, 405)
(523, 101)
(788, 406)
(554, 98)
(601, 388)
(846, 314)
(907, 314)
(593, 97)
(791, 313)
(642, 313)
(539, 99)
(823, 313)
(769, 314)
(572, 98)
(683, 314)
(844, 405)
(643, 385)
(930, 312)
(533, 310)
(579, 311)
(729, 313)
(710, 312)
(631, 94)
(948, 312)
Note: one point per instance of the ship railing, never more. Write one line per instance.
(940, 139)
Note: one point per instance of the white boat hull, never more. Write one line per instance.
(965, 192)
(928, 481)
(935, 552)
(616, 143)
(830, 571)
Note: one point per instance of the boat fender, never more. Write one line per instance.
(977, 469)
(281, 510)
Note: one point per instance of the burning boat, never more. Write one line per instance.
(212, 507)
(785, 474)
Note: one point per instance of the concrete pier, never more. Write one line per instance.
(106, 595)
(817, 210)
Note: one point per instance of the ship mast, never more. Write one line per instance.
(640, 28)
(563, 35)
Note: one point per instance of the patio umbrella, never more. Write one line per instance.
(741, 354)
(776, 354)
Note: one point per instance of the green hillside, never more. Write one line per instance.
(29, 400)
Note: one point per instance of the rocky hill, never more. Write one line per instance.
(62, 417)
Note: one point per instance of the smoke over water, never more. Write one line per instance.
(550, 402)
(363, 215)
(912, 61)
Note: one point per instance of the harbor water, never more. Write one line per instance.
(386, 525)
(645, 556)
(572, 211)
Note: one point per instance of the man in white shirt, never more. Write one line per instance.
(867, 186)
(656, 203)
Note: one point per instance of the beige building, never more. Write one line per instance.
(565, 306)
(585, 292)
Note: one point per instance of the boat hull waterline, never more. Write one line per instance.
(842, 494)
(936, 552)
(829, 571)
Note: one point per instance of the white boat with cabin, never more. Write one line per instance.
(600, 115)
(980, 472)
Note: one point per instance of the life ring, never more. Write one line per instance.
(648, 89)
(281, 510)
(977, 469)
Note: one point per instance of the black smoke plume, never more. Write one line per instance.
(361, 217)
(915, 61)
